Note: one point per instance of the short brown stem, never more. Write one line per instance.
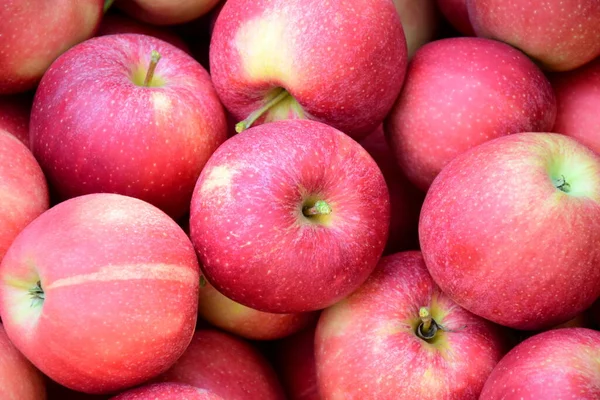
(152, 67)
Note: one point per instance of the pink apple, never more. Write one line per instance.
(459, 93)
(341, 63)
(97, 127)
(167, 391)
(290, 216)
(456, 12)
(560, 34)
(419, 20)
(23, 189)
(15, 111)
(224, 313)
(100, 292)
(558, 364)
(33, 33)
(166, 12)
(227, 366)
(578, 100)
(400, 337)
(510, 230)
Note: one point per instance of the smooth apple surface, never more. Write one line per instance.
(34, 33)
(15, 111)
(227, 366)
(97, 127)
(419, 20)
(167, 391)
(457, 13)
(166, 12)
(560, 34)
(375, 344)
(100, 292)
(461, 92)
(509, 230)
(557, 364)
(289, 216)
(338, 63)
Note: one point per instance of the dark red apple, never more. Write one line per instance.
(167, 391)
(456, 12)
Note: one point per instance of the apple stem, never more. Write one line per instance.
(247, 123)
(319, 208)
(37, 294)
(428, 327)
(152, 67)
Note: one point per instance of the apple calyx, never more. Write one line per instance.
(319, 208)
(37, 294)
(562, 184)
(278, 97)
(428, 327)
(151, 68)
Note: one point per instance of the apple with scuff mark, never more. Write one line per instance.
(419, 21)
(100, 292)
(166, 12)
(167, 391)
(127, 114)
(456, 12)
(15, 111)
(289, 216)
(400, 337)
(34, 33)
(340, 63)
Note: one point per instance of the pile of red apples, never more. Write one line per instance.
(299, 199)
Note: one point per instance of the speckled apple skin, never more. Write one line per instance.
(558, 364)
(15, 111)
(94, 130)
(560, 34)
(461, 92)
(254, 243)
(167, 391)
(344, 62)
(166, 12)
(502, 241)
(121, 292)
(366, 345)
(227, 366)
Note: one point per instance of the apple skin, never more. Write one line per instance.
(227, 366)
(250, 198)
(366, 344)
(166, 12)
(560, 34)
(144, 142)
(167, 391)
(35, 32)
(456, 12)
(491, 230)
(578, 100)
(461, 92)
(344, 71)
(15, 111)
(419, 21)
(557, 364)
(23, 189)
(120, 280)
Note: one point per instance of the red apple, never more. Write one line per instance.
(419, 21)
(461, 92)
(23, 189)
(33, 33)
(341, 63)
(578, 100)
(456, 12)
(224, 313)
(15, 111)
(166, 12)
(560, 34)
(100, 292)
(123, 136)
(227, 366)
(400, 337)
(558, 364)
(510, 229)
(167, 391)
(290, 216)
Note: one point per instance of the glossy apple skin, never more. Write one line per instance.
(345, 71)
(557, 364)
(227, 366)
(578, 100)
(560, 34)
(167, 391)
(456, 12)
(461, 92)
(23, 189)
(34, 33)
(144, 142)
(166, 12)
(120, 280)
(15, 111)
(419, 20)
(491, 230)
(246, 222)
(366, 344)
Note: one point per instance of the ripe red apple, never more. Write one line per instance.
(578, 100)
(224, 313)
(227, 366)
(456, 12)
(400, 337)
(15, 111)
(419, 21)
(509, 230)
(23, 189)
(167, 391)
(289, 217)
(100, 292)
(461, 92)
(142, 139)
(341, 63)
(33, 33)
(166, 12)
(557, 364)
(560, 34)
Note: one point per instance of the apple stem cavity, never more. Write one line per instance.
(319, 208)
(562, 184)
(152, 67)
(247, 123)
(428, 327)
(37, 294)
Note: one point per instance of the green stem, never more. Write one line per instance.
(151, 68)
(319, 208)
(107, 4)
(428, 327)
(247, 123)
